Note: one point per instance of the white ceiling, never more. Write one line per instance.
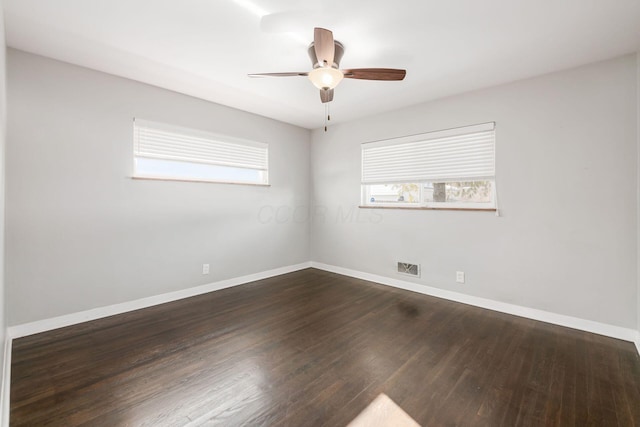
(206, 48)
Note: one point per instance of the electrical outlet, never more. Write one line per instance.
(460, 276)
(205, 268)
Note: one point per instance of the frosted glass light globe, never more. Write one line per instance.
(325, 77)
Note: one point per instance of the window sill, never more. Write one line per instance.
(425, 208)
(202, 181)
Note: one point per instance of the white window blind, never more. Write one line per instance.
(166, 151)
(461, 154)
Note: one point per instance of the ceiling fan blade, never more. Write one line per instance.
(324, 46)
(375, 74)
(326, 95)
(291, 74)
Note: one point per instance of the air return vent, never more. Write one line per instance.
(409, 269)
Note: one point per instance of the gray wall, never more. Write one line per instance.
(566, 241)
(81, 234)
(3, 324)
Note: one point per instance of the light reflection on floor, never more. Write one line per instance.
(383, 412)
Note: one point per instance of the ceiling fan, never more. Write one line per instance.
(325, 54)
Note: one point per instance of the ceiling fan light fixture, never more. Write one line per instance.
(325, 77)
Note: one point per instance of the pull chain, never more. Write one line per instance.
(327, 114)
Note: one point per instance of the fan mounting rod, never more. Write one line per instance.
(337, 57)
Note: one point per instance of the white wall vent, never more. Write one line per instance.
(409, 269)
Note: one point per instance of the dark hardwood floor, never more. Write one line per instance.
(313, 348)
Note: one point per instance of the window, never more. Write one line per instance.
(164, 151)
(452, 169)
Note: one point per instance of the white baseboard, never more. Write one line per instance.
(613, 331)
(26, 329)
(110, 310)
(6, 383)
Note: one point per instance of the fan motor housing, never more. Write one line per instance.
(339, 51)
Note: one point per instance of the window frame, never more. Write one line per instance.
(439, 136)
(204, 136)
(422, 204)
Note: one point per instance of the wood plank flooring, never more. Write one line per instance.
(313, 348)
